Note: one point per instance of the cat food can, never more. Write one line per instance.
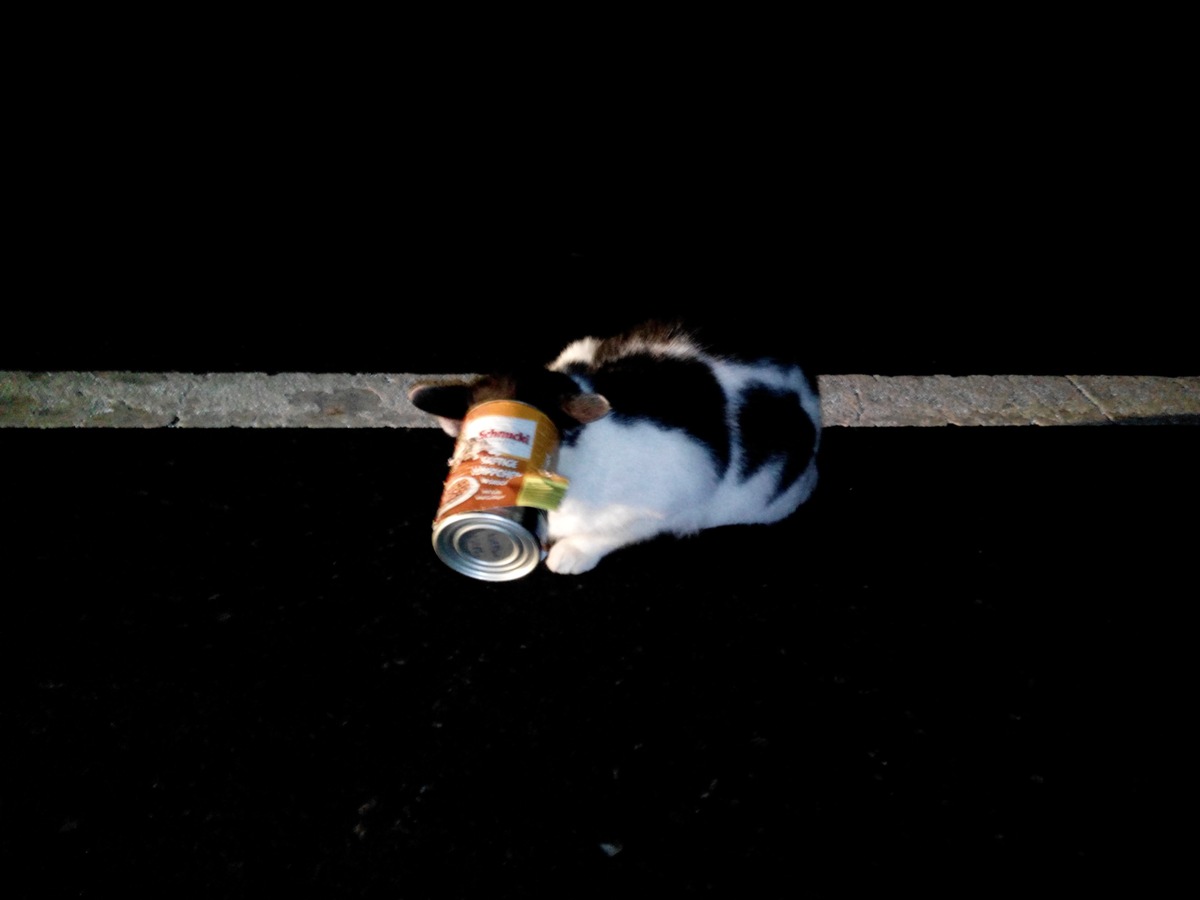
(491, 523)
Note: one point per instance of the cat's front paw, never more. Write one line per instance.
(570, 557)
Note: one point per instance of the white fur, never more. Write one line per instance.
(633, 480)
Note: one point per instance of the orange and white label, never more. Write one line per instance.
(503, 457)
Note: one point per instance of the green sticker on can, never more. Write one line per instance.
(542, 490)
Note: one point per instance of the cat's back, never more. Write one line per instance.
(749, 411)
(665, 371)
(693, 439)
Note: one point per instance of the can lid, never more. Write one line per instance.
(487, 546)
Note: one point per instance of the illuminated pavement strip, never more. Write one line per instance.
(304, 400)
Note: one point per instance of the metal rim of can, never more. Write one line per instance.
(488, 546)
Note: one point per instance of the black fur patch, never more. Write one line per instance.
(669, 391)
(774, 426)
(653, 332)
(447, 400)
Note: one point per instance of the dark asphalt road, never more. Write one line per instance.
(234, 665)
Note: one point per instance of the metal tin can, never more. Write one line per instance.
(499, 545)
(491, 523)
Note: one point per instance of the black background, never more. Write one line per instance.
(234, 664)
(883, 198)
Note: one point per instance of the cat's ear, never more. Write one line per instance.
(586, 408)
(449, 402)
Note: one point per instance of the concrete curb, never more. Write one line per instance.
(304, 400)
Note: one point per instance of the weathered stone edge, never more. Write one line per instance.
(306, 400)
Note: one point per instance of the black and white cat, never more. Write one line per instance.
(658, 436)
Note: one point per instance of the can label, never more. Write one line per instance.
(504, 456)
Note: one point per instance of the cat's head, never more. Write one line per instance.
(553, 393)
